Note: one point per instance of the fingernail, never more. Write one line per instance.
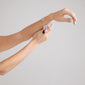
(75, 23)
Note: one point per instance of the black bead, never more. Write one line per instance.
(43, 31)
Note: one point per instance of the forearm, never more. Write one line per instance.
(30, 30)
(11, 62)
(7, 42)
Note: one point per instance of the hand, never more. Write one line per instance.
(40, 37)
(59, 16)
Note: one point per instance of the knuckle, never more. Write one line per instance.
(65, 9)
(73, 13)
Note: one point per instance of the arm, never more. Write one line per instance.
(57, 16)
(11, 62)
(30, 30)
(7, 42)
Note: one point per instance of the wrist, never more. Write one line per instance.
(51, 16)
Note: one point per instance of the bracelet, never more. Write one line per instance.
(44, 26)
(42, 20)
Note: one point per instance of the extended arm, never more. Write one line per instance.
(11, 62)
(7, 42)
(10, 41)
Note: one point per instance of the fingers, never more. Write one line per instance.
(50, 27)
(70, 13)
(67, 20)
(66, 11)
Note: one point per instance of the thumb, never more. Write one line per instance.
(51, 26)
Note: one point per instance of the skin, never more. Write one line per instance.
(33, 31)
(7, 42)
(13, 61)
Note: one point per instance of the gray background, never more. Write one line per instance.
(58, 61)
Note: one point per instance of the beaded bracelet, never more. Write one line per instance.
(44, 26)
